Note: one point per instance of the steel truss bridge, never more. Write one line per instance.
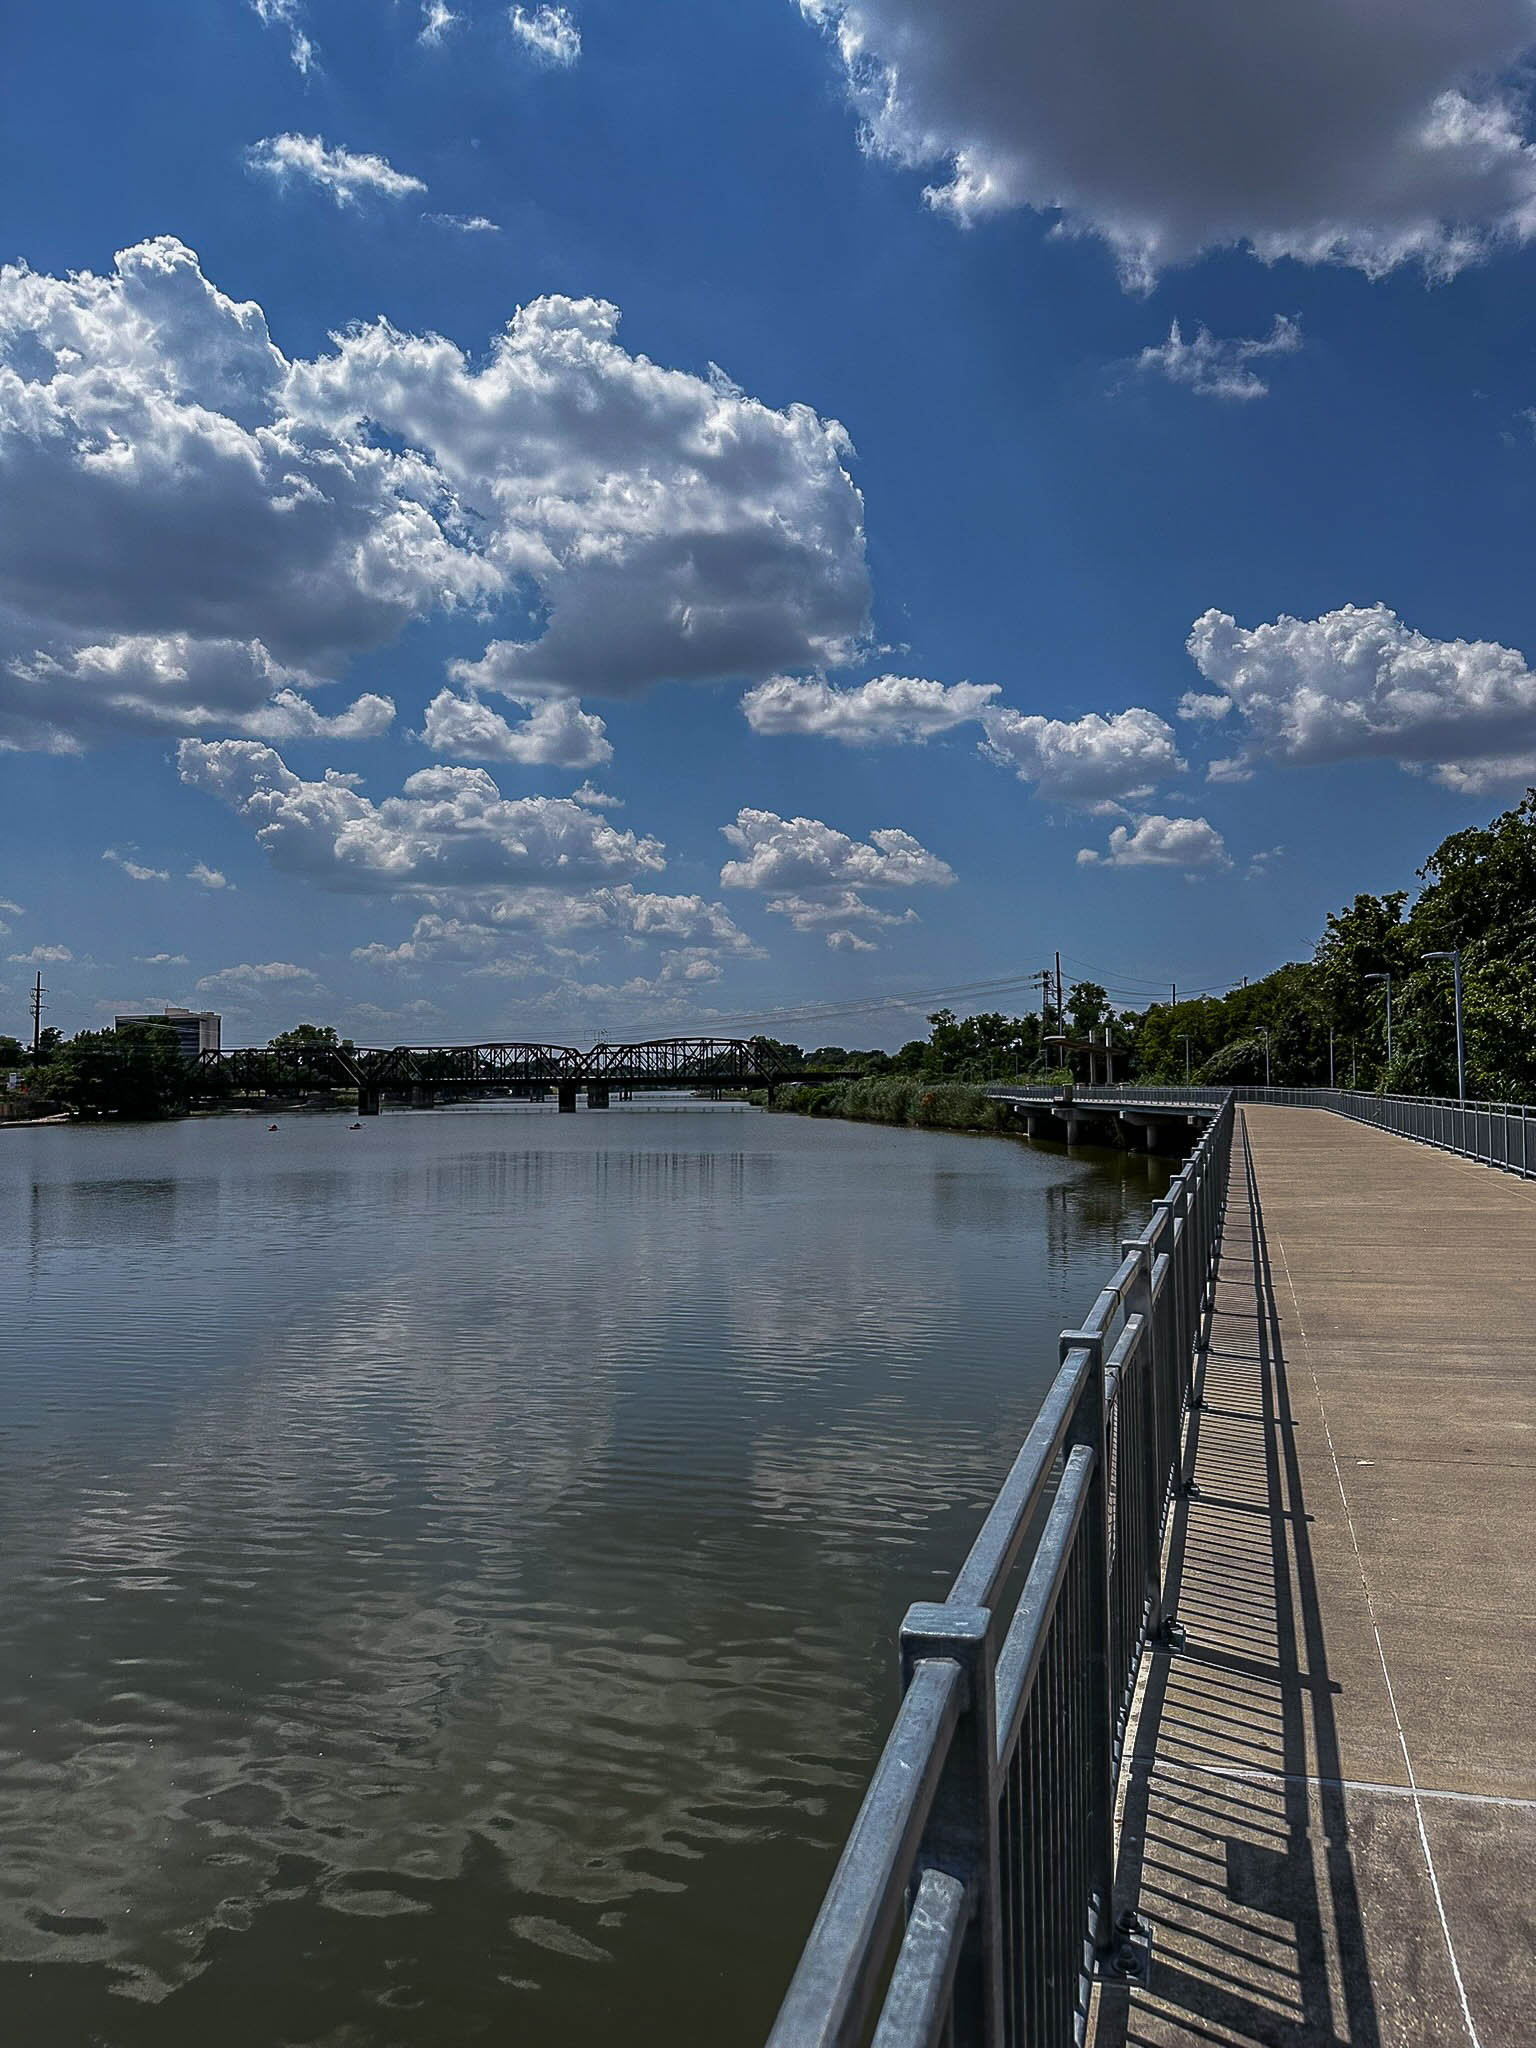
(423, 1072)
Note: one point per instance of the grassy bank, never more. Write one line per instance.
(901, 1099)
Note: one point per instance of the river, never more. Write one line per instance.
(451, 1568)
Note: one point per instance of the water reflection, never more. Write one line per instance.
(449, 1583)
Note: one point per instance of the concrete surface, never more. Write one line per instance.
(1329, 1812)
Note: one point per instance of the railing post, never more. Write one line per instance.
(1138, 1302)
(1087, 1427)
(962, 1834)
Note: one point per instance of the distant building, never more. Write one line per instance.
(196, 1030)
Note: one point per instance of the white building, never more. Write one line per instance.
(196, 1030)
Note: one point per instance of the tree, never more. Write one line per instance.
(135, 1073)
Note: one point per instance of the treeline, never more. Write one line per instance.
(137, 1073)
(1478, 896)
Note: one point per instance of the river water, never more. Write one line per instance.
(449, 1571)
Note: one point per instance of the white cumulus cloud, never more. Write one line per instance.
(674, 527)
(557, 733)
(1358, 134)
(820, 872)
(884, 708)
(803, 853)
(1357, 683)
(343, 173)
(207, 877)
(196, 532)
(1219, 369)
(449, 827)
(549, 32)
(169, 682)
(1090, 760)
(1158, 842)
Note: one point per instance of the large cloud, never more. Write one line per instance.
(167, 476)
(1090, 760)
(1357, 684)
(449, 827)
(1330, 130)
(673, 526)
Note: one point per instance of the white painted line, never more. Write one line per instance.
(1263, 1777)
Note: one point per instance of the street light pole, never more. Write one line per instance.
(1264, 1033)
(1187, 1062)
(1453, 954)
(1388, 980)
(1330, 1055)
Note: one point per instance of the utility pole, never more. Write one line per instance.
(1061, 1014)
(1388, 980)
(1330, 1055)
(1187, 1063)
(1453, 954)
(37, 1013)
(1174, 986)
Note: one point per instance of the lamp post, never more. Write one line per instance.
(1330, 1055)
(1453, 954)
(1188, 1064)
(1388, 980)
(1264, 1034)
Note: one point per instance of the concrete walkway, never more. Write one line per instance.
(1329, 1816)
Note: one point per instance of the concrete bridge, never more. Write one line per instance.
(427, 1072)
(1249, 1761)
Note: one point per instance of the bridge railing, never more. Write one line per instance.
(973, 1895)
(1499, 1134)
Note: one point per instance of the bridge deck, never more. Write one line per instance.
(1329, 1815)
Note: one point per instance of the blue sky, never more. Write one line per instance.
(364, 660)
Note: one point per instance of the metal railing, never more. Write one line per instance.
(1499, 1134)
(990, 1815)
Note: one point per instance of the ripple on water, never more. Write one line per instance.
(450, 1582)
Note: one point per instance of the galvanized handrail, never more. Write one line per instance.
(991, 1810)
(1501, 1134)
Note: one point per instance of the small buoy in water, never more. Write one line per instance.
(271, 1127)
(350, 1127)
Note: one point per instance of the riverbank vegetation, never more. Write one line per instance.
(1291, 1027)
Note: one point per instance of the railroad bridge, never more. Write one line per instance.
(427, 1072)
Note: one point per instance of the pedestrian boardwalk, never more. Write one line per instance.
(1329, 1811)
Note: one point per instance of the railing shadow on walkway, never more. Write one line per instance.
(1234, 1841)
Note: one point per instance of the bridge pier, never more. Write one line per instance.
(1147, 1125)
(597, 1095)
(367, 1101)
(567, 1096)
